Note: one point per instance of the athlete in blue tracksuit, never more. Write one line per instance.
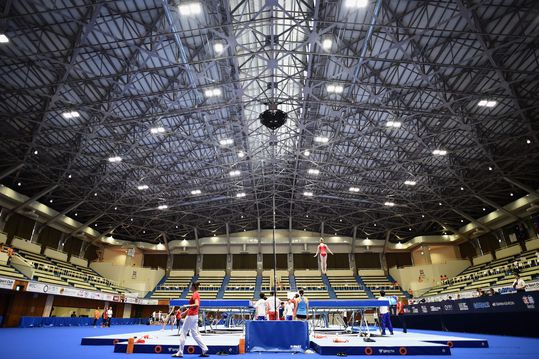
(385, 319)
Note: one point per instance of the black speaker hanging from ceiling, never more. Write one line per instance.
(273, 118)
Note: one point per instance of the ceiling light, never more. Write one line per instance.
(70, 114)
(115, 159)
(528, 141)
(195, 192)
(313, 171)
(321, 139)
(439, 152)
(142, 187)
(410, 229)
(511, 194)
(462, 188)
(218, 47)
(389, 204)
(144, 232)
(115, 208)
(36, 152)
(216, 92)
(335, 88)
(51, 201)
(306, 153)
(394, 124)
(241, 154)
(69, 176)
(375, 224)
(156, 130)
(353, 189)
(439, 203)
(307, 194)
(226, 141)
(327, 44)
(487, 103)
(95, 194)
(234, 173)
(76, 214)
(410, 183)
(422, 216)
(355, 3)
(162, 206)
(3, 39)
(484, 209)
(240, 195)
(340, 219)
(489, 168)
(19, 184)
(189, 9)
(461, 221)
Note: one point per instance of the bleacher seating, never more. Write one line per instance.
(210, 283)
(496, 273)
(377, 282)
(345, 285)
(312, 284)
(6, 270)
(241, 285)
(174, 285)
(59, 272)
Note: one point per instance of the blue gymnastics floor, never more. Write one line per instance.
(65, 343)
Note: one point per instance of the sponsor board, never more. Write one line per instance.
(6, 283)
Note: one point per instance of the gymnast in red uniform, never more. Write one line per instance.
(322, 250)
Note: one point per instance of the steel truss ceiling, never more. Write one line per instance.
(129, 66)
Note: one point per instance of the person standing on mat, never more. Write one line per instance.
(385, 318)
(96, 315)
(302, 307)
(190, 324)
(400, 314)
(109, 316)
(261, 307)
(272, 310)
(322, 250)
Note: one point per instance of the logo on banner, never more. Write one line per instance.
(463, 306)
(503, 304)
(424, 309)
(435, 308)
(528, 300)
(481, 305)
(6, 283)
(448, 307)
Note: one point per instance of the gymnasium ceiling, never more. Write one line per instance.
(200, 79)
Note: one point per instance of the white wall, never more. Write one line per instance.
(408, 277)
(136, 278)
(25, 245)
(508, 251)
(118, 256)
(482, 259)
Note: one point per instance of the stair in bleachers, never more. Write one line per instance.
(185, 292)
(258, 286)
(377, 283)
(344, 285)
(292, 281)
(224, 285)
(174, 286)
(359, 281)
(210, 283)
(329, 288)
(161, 282)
